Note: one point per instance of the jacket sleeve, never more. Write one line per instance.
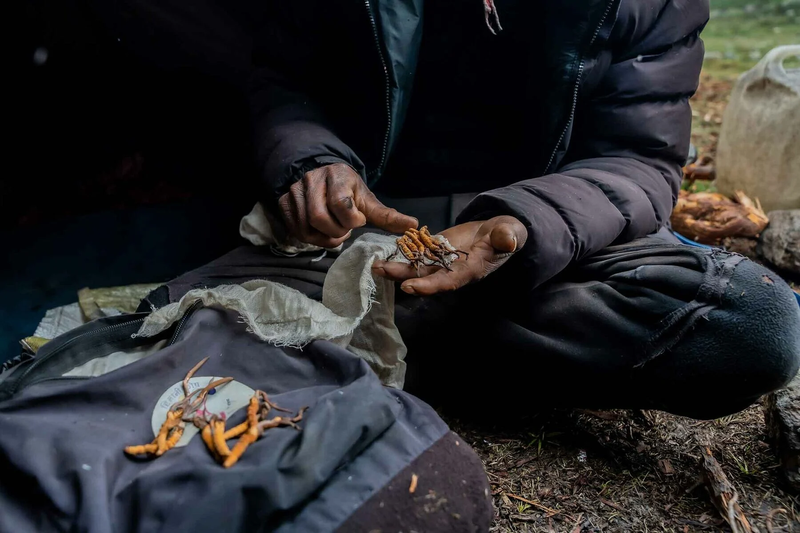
(622, 170)
(291, 132)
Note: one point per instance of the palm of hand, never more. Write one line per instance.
(490, 244)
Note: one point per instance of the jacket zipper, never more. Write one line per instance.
(375, 34)
(581, 68)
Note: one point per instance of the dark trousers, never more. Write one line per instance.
(651, 324)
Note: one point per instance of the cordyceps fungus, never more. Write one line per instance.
(421, 248)
(178, 414)
(212, 427)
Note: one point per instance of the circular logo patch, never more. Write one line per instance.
(222, 401)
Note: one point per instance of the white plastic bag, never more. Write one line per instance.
(759, 145)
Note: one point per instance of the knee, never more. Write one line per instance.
(748, 346)
(753, 335)
(762, 316)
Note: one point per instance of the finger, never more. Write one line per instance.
(508, 235)
(461, 273)
(341, 201)
(381, 216)
(288, 213)
(303, 230)
(319, 218)
(397, 271)
(503, 238)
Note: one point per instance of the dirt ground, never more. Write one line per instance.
(583, 471)
(637, 471)
(708, 106)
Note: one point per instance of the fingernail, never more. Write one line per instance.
(515, 243)
(408, 289)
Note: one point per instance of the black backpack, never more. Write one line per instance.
(366, 457)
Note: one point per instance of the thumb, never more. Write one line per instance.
(386, 218)
(508, 236)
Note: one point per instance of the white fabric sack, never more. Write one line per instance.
(261, 229)
(758, 146)
(356, 312)
(59, 321)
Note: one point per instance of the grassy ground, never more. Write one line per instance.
(580, 471)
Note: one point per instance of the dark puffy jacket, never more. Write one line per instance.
(610, 100)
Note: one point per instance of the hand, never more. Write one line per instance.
(490, 243)
(330, 201)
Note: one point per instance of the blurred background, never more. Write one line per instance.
(738, 35)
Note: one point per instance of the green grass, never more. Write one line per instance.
(740, 32)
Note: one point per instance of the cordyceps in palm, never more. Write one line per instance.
(421, 248)
(212, 426)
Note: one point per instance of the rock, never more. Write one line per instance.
(780, 242)
(782, 415)
(741, 245)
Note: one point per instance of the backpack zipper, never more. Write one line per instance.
(375, 34)
(189, 312)
(39, 361)
(577, 88)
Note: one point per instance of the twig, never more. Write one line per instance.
(524, 461)
(611, 504)
(523, 517)
(732, 512)
(534, 503)
(770, 514)
(723, 494)
(578, 524)
(695, 523)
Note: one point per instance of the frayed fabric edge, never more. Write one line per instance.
(285, 317)
(674, 327)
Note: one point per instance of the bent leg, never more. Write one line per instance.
(649, 324)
